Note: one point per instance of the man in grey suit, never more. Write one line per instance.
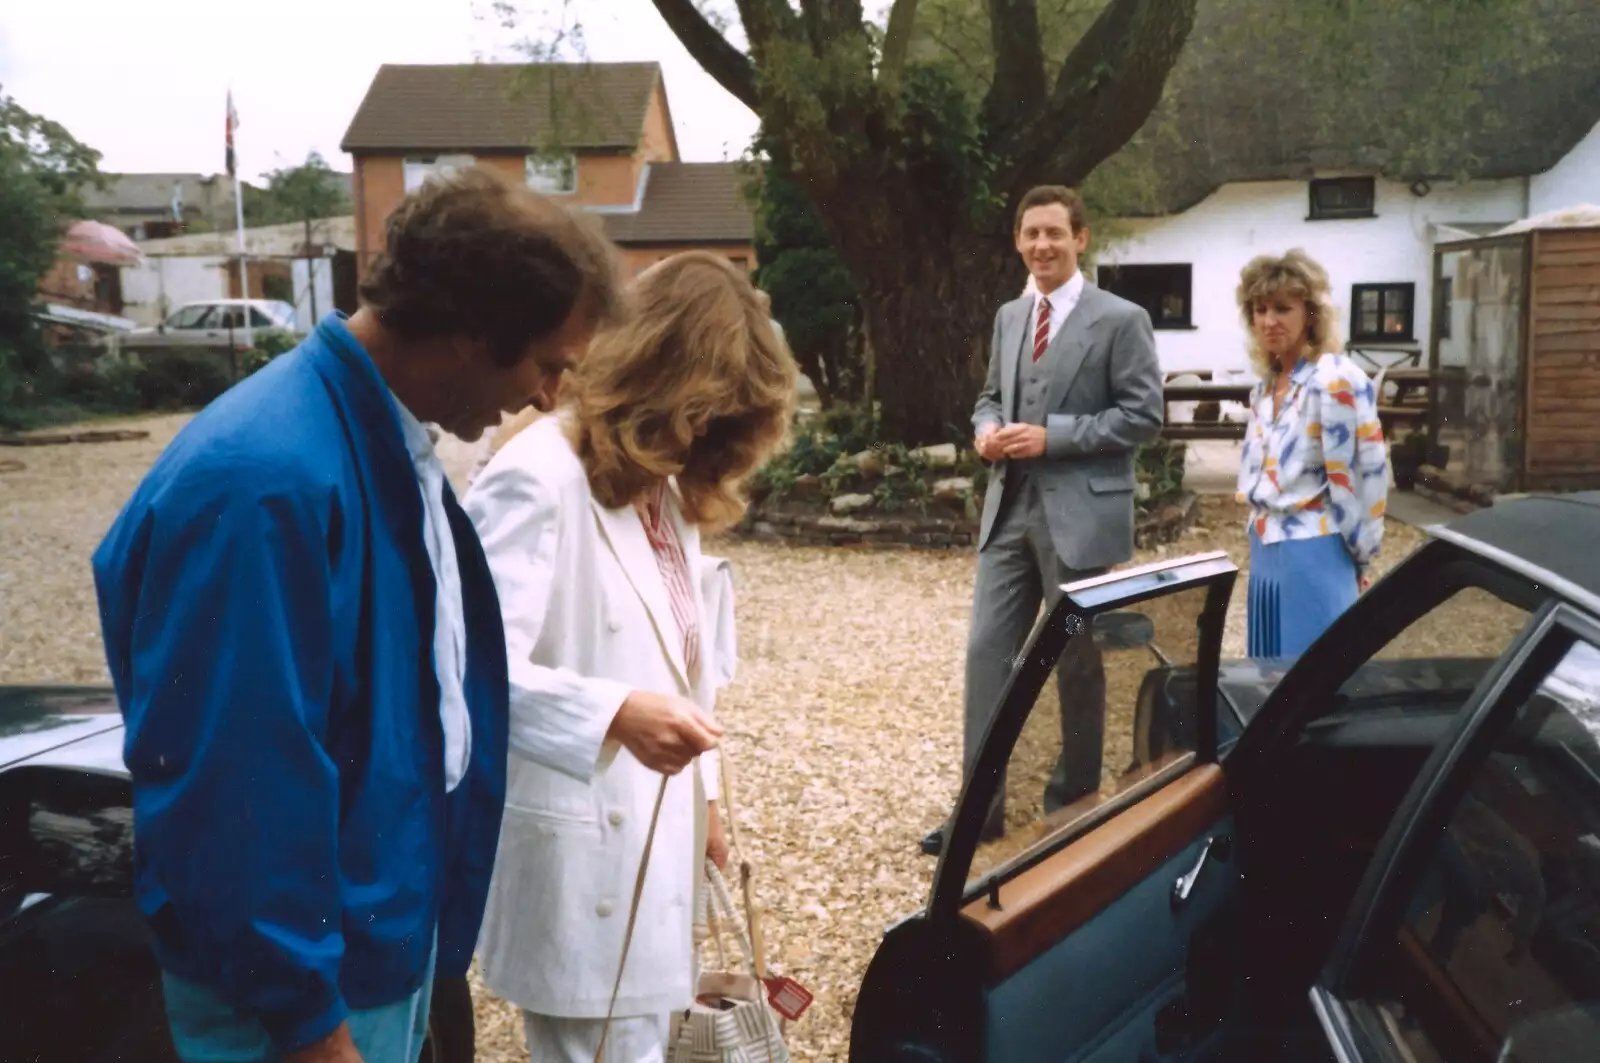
(1074, 386)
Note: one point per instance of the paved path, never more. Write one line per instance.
(1211, 466)
(1411, 508)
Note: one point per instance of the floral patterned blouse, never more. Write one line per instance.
(1320, 466)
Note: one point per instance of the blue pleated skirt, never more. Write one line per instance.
(1297, 588)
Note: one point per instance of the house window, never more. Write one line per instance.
(1383, 313)
(1163, 291)
(1442, 312)
(421, 167)
(741, 261)
(1343, 197)
(557, 176)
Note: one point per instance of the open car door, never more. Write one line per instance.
(1089, 932)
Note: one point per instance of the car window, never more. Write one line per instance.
(1497, 957)
(1436, 661)
(260, 320)
(229, 317)
(190, 317)
(1130, 711)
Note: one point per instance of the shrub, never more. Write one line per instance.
(1160, 467)
(178, 382)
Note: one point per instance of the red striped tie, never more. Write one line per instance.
(1041, 334)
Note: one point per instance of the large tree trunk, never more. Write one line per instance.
(931, 338)
(928, 308)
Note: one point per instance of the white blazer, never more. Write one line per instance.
(587, 620)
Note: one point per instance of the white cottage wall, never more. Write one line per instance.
(1239, 221)
(1572, 182)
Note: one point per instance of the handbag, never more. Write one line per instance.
(730, 1020)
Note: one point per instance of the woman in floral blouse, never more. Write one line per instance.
(1315, 471)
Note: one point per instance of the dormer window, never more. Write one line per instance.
(1343, 197)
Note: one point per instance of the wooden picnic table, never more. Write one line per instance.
(1218, 429)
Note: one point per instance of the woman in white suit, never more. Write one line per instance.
(591, 521)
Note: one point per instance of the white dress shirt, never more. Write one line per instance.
(449, 614)
(1063, 301)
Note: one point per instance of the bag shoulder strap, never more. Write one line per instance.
(633, 918)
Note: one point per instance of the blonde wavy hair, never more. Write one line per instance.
(1295, 275)
(696, 384)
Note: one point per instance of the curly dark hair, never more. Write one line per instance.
(476, 255)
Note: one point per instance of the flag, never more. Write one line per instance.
(233, 123)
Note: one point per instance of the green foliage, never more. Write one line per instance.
(42, 169)
(813, 295)
(181, 382)
(308, 192)
(1160, 467)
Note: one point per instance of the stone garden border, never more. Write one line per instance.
(810, 523)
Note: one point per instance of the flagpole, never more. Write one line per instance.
(238, 213)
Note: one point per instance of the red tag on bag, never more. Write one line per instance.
(788, 997)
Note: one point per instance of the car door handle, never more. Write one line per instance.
(1218, 845)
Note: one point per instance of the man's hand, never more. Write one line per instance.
(334, 1048)
(985, 443)
(1021, 440)
(664, 731)
(716, 837)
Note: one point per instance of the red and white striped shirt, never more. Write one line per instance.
(674, 565)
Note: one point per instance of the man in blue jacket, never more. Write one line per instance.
(307, 647)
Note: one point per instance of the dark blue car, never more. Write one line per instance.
(1385, 850)
(80, 982)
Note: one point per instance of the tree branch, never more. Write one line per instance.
(732, 68)
(896, 39)
(1109, 85)
(1017, 92)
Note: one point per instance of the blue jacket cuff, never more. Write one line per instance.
(294, 1029)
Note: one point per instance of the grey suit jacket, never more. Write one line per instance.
(1104, 400)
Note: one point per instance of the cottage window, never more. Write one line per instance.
(419, 168)
(552, 176)
(1163, 291)
(1443, 312)
(1343, 197)
(740, 260)
(1383, 313)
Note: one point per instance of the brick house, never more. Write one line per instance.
(598, 136)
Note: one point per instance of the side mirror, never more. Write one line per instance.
(1123, 630)
(162, 328)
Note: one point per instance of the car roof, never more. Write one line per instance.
(1552, 539)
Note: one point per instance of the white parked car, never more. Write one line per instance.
(214, 324)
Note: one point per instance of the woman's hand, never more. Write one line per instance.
(664, 731)
(716, 838)
(1363, 581)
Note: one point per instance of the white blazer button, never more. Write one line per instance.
(616, 819)
(614, 625)
(603, 909)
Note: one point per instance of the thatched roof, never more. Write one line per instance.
(1235, 113)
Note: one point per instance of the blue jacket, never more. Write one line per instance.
(267, 607)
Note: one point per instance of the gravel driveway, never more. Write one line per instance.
(843, 724)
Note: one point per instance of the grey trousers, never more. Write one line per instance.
(1017, 570)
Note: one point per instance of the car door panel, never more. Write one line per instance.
(1075, 950)
(1095, 924)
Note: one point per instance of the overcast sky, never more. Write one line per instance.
(146, 81)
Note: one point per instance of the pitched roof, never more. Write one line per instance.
(688, 202)
(1239, 116)
(504, 106)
